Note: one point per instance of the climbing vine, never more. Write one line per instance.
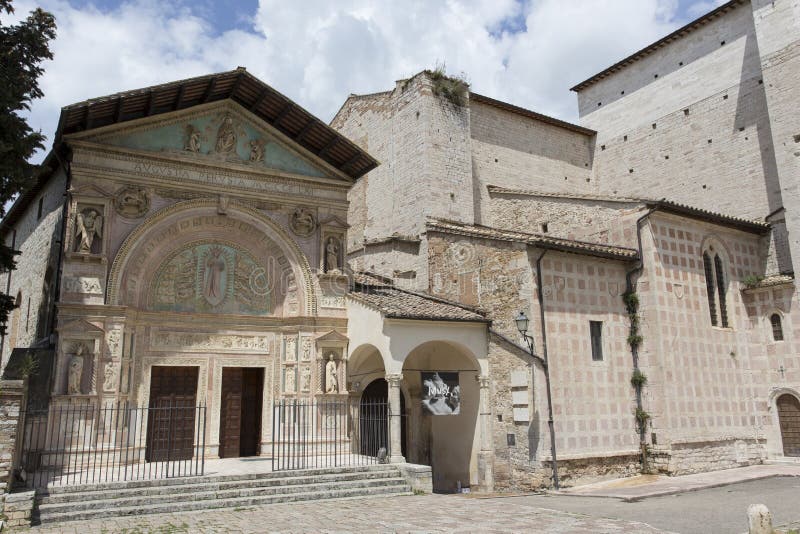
(638, 378)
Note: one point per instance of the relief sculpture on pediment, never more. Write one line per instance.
(212, 278)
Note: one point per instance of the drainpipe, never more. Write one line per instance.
(630, 287)
(546, 367)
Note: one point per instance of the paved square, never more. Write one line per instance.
(428, 513)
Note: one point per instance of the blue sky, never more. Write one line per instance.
(527, 52)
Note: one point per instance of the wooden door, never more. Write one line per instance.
(172, 413)
(230, 414)
(789, 417)
(252, 394)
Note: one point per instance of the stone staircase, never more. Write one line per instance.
(70, 503)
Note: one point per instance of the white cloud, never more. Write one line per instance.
(318, 51)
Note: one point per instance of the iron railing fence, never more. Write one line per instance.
(329, 433)
(84, 443)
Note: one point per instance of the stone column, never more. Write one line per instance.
(485, 456)
(395, 418)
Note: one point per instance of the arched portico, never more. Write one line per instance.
(457, 446)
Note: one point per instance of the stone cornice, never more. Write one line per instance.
(145, 168)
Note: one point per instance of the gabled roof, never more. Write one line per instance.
(529, 113)
(537, 240)
(668, 206)
(649, 49)
(237, 85)
(379, 293)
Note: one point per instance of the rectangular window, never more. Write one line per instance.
(596, 331)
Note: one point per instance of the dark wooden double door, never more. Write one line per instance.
(172, 414)
(240, 412)
(789, 418)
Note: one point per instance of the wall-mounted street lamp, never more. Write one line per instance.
(522, 325)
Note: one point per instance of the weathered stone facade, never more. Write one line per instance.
(695, 120)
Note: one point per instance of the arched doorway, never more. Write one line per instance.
(445, 438)
(789, 418)
(374, 418)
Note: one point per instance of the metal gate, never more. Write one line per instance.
(85, 443)
(314, 434)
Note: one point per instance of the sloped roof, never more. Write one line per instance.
(378, 293)
(530, 114)
(772, 281)
(740, 223)
(649, 49)
(538, 240)
(237, 85)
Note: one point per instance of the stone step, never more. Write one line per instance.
(181, 506)
(220, 485)
(46, 510)
(177, 481)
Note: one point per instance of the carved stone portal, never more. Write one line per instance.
(303, 222)
(132, 202)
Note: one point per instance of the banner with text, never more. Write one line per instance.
(441, 394)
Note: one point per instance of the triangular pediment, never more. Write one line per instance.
(81, 326)
(218, 134)
(332, 336)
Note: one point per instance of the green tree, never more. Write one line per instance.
(23, 48)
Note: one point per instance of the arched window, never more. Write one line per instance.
(777, 327)
(716, 288)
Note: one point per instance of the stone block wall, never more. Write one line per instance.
(569, 217)
(516, 151)
(12, 402)
(37, 239)
(699, 457)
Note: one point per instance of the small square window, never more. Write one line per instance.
(596, 332)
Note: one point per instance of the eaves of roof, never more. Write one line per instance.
(668, 206)
(649, 49)
(530, 114)
(237, 85)
(537, 240)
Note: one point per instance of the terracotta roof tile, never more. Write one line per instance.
(538, 240)
(392, 302)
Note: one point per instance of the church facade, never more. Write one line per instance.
(208, 241)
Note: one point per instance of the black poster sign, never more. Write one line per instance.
(441, 394)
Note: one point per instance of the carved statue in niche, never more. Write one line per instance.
(132, 202)
(289, 385)
(226, 137)
(331, 380)
(213, 279)
(256, 150)
(303, 222)
(192, 139)
(110, 377)
(75, 371)
(113, 340)
(291, 349)
(89, 225)
(305, 379)
(332, 255)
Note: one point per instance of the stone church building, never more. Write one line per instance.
(210, 241)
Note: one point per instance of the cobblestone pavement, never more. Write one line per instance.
(427, 513)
